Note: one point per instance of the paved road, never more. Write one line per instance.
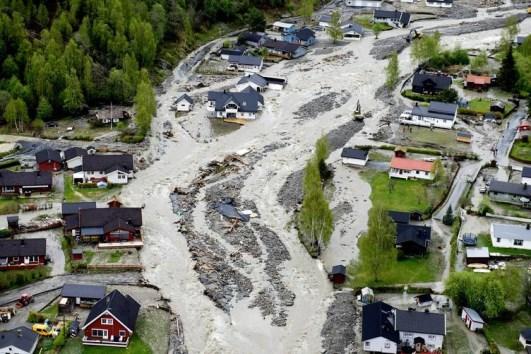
(505, 142)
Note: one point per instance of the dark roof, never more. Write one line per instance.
(413, 233)
(281, 46)
(245, 60)
(83, 290)
(108, 163)
(247, 100)
(420, 322)
(100, 217)
(34, 178)
(275, 80)
(23, 247)
(73, 208)
(305, 34)
(254, 78)
(118, 224)
(526, 333)
(22, 338)
(352, 26)
(339, 269)
(186, 98)
(400, 217)
(254, 37)
(232, 51)
(424, 298)
(377, 321)
(48, 155)
(396, 16)
(354, 153)
(518, 189)
(526, 171)
(440, 81)
(441, 1)
(124, 308)
(438, 110)
(72, 152)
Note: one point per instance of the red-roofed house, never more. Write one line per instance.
(477, 82)
(408, 168)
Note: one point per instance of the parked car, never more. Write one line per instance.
(483, 190)
(46, 329)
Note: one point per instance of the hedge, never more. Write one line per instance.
(15, 278)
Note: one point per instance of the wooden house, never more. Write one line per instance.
(23, 253)
(49, 160)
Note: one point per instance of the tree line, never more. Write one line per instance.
(57, 58)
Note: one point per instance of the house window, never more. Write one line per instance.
(387, 345)
(417, 172)
(3, 260)
(518, 242)
(106, 321)
(121, 333)
(498, 239)
(9, 189)
(431, 337)
(426, 173)
(32, 259)
(103, 333)
(368, 344)
(15, 259)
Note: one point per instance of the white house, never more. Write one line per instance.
(436, 115)
(511, 236)
(284, 27)
(472, 319)
(408, 1)
(184, 103)
(73, 157)
(254, 81)
(354, 157)
(275, 83)
(420, 329)
(235, 105)
(114, 169)
(363, 3)
(20, 340)
(392, 18)
(526, 175)
(246, 63)
(525, 337)
(378, 333)
(439, 3)
(408, 168)
(352, 31)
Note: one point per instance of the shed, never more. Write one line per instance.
(12, 222)
(477, 255)
(423, 300)
(338, 275)
(77, 254)
(400, 151)
(497, 106)
(84, 295)
(184, 103)
(472, 319)
(354, 157)
(463, 136)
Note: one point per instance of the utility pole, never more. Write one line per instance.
(111, 115)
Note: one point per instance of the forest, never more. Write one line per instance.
(57, 58)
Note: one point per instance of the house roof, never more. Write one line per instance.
(73, 208)
(108, 163)
(464, 133)
(378, 321)
(254, 37)
(354, 153)
(402, 163)
(21, 337)
(474, 316)
(413, 233)
(247, 100)
(23, 247)
(254, 78)
(100, 217)
(185, 97)
(526, 171)
(339, 269)
(305, 34)
(420, 322)
(281, 46)
(439, 110)
(478, 79)
(233, 51)
(245, 60)
(48, 155)
(517, 189)
(123, 307)
(441, 1)
(526, 333)
(422, 298)
(511, 232)
(440, 81)
(400, 217)
(325, 18)
(86, 291)
(477, 252)
(352, 27)
(33, 178)
(72, 152)
(283, 24)
(397, 16)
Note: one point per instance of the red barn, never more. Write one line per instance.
(111, 321)
(49, 160)
(25, 253)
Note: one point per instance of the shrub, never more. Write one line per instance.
(87, 185)
(36, 317)
(13, 278)
(60, 340)
(5, 233)
(484, 209)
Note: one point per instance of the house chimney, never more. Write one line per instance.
(525, 186)
(528, 226)
(19, 333)
(22, 242)
(426, 311)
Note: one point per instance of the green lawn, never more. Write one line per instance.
(75, 194)
(403, 195)
(506, 333)
(366, 22)
(485, 241)
(136, 346)
(521, 151)
(378, 156)
(8, 206)
(115, 256)
(479, 105)
(444, 138)
(405, 271)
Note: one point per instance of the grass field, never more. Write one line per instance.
(403, 195)
(74, 346)
(485, 241)
(506, 333)
(406, 271)
(366, 22)
(8, 206)
(479, 105)
(521, 151)
(444, 138)
(75, 194)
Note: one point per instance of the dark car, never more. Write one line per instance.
(74, 328)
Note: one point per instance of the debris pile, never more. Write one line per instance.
(342, 320)
(322, 104)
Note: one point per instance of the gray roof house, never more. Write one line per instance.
(357, 157)
(437, 114)
(83, 291)
(284, 49)
(511, 236)
(184, 103)
(255, 81)
(25, 182)
(21, 340)
(425, 82)
(393, 18)
(508, 192)
(235, 105)
(74, 208)
(245, 63)
(352, 30)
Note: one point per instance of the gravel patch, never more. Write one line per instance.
(337, 138)
(342, 209)
(339, 334)
(478, 26)
(291, 193)
(322, 104)
(383, 48)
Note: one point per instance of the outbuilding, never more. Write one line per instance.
(472, 319)
(184, 103)
(49, 160)
(526, 175)
(338, 275)
(423, 300)
(497, 106)
(463, 136)
(354, 157)
(477, 255)
(83, 295)
(525, 338)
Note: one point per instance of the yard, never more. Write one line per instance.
(521, 151)
(75, 194)
(482, 105)
(506, 333)
(366, 22)
(74, 346)
(443, 138)
(485, 241)
(403, 195)
(8, 206)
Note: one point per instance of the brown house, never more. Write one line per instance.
(24, 183)
(477, 82)
(25, 253)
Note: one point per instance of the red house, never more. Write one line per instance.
(25, 183)
(111, 321)
(49, 160)
(25, 253)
